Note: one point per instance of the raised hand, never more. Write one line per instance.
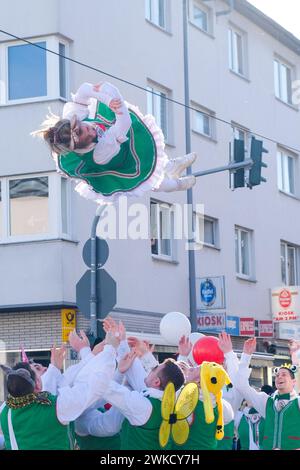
(225, 343)
(97, 87)
(115, 105)
(250, 346)
(78, 342)
(98, 348)
(141, 347)
(184, 346)
(126, 362)
(58, 356)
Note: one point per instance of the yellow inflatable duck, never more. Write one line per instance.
(213, 377)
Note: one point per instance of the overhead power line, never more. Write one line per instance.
(128, 82)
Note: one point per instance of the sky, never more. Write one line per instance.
(285, 12)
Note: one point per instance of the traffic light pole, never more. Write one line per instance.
(231, 167)
(93, 297)
(191, 252)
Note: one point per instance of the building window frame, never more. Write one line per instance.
(237, 51)
(200, 232)
(283, 84)
(57, 228)
(159, 106)
(287, 169)
(157, 12)
(197, 4)
(240, 259)
(55, 89)
(286, 249)
(208, 121)
(156, 209)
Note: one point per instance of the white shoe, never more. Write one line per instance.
(186, 182)
(175, 167)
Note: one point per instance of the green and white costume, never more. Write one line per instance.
(128, 157)
(281, 414)
(30, 423)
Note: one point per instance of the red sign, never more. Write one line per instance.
(285, 298)
(247, 327)
(265, 329)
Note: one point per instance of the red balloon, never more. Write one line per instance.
(207, 349)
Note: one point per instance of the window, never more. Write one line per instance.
(243, 250)
(62, 71)
(203, 122)
(162, 229)
(28, 206)
(237, 51)
(286, 165)
(156, 12)
(283, 81)
(200, 16)
(29, 73)
(289, 264)
(158, 106)
(207, 231)
(34, 207)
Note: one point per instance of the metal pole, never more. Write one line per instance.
(248, 163)
(191, 252)
(93, 298)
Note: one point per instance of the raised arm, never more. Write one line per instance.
(241, 380)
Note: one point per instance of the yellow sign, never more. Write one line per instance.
(68, 322)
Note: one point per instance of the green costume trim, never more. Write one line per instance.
(126, 171)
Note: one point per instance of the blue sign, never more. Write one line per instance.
(208, 292)
(233, 325)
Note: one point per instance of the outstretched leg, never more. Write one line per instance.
(169, 185)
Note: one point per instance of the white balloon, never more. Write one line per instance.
(195, 336)
(174, 325)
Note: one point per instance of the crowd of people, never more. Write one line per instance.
(115, 397)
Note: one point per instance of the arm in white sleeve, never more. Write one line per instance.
(133, 405)
(90, 384)
(122, 350)
(257, 399)
(148, 362)
(183, 359)
(95, 423)
(228, 414)
(52, 379)
(82, 99)
(71, 372)
(136, 375)
(232, 364)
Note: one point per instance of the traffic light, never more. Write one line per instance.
(257, 151)
(239, 157)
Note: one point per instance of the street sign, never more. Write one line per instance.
(233, 325)
(211, 321)
(264, 329)
(68, 323)
(210, 293)
(106, 293)
(247, 327)
(102, 252)
(286, 303)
